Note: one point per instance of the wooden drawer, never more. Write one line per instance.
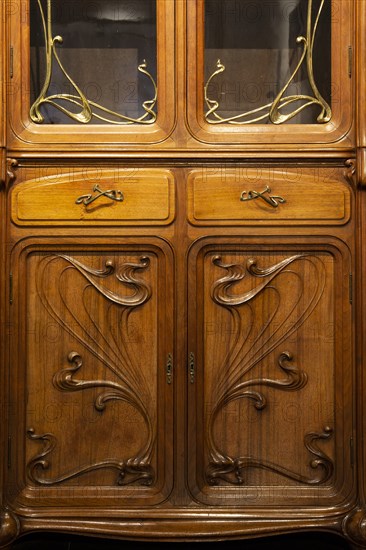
(268, 196)
(96, 197)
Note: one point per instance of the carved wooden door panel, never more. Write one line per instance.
(94, 349)
(270, 357)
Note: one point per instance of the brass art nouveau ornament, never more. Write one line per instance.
(272, 111)
(89, 109)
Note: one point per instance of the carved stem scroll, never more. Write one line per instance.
(110, 349)
(245, 354)
(128, 472)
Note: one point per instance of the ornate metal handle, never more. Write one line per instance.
(110, 194)
(273, 200)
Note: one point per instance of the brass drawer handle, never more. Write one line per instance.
(273, 200)
(110, 194)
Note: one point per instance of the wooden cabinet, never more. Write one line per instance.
(267, 331)
(182, 298)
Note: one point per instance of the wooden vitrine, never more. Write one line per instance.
(182, 298)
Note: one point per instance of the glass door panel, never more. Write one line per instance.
(267, 62)
(91, 73)
(270, 72)
(93, 61)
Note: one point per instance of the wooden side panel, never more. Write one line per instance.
(273, 361)
(361, 73)
(92, 347)
(2, 75)
(361, 95)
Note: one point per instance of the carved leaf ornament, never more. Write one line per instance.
(249, 349)
(110, 349)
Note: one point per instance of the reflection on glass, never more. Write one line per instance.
(267, 61)
(93, 61)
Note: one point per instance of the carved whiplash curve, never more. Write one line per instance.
(40, 463)
(231, 470)
(104, 336)
(273, 112)
(248, 349)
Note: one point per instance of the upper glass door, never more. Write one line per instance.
(271, 63)
(267, 64)
(93, 63)
(92, 70)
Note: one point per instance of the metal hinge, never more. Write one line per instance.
(169, 369)
(350, 288)
(11, 288)
(11, 62)
(9, 452)
(350, 61)
(352, 452)
(191, 367)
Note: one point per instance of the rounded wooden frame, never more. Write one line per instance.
(336, 132)
(25, 135)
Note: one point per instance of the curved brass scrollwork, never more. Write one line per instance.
(88, 107)
(110, 194)
(272, 200)
(272, 111)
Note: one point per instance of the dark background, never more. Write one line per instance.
(308, 541)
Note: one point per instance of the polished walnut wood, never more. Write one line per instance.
(182, 310)
(76, 196)
(109, 309)
(3, 81)
(268, 196)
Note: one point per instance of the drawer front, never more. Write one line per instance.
(268, 197)
(106, 197)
